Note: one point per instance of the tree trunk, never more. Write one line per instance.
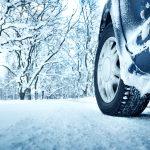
(35, 86)
(36, 95)
(28, 93)
(85, 92)
(22, 95)
(42, 94)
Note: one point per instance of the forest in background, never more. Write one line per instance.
(49, 52)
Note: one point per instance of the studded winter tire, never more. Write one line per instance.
(113, 96)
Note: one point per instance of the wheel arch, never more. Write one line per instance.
(106, 18)
(111, 14)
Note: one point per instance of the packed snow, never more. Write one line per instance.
(69, 124)
(142, 31)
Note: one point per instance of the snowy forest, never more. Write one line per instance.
(47, 48)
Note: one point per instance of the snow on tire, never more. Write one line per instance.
(113, 96)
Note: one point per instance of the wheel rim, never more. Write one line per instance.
(108, 70)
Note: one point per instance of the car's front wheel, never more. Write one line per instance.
(113, 96)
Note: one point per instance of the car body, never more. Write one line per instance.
(122, 62)
(130, 19)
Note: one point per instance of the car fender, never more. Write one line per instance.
(130, 70)
(111, 13)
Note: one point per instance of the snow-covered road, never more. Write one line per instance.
(69, 125)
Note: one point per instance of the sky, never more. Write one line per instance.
(72, 5)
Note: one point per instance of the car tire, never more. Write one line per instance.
(125, 100)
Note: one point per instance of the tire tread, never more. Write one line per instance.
(128, 101)
(134, 105)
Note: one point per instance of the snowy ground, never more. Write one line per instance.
(69, 125)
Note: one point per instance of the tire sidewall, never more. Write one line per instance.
(112, 107)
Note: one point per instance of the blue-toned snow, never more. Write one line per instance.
(69, 125)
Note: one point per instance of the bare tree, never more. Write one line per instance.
(35, 33)
(86, 36)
